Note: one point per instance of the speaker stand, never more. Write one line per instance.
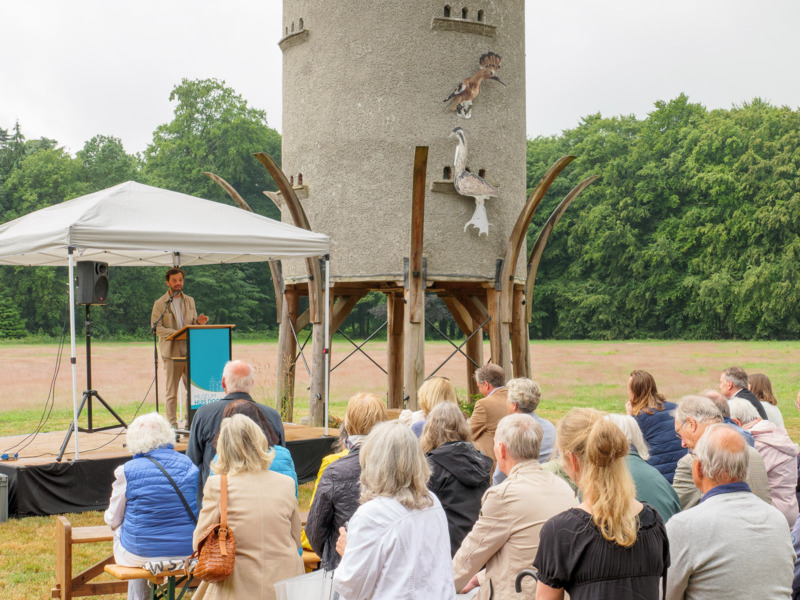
(88, 394)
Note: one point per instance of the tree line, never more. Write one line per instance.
(691, 231)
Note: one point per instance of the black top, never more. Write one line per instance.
(335, 503)
(574, 555)
(459, 477)
(746, 394)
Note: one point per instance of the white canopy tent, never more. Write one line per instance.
(132, 224)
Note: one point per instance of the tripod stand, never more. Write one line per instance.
(88, 394)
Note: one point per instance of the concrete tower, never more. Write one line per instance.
(363, 84)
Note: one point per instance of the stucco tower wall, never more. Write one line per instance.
(363, 84)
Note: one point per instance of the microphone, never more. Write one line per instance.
(172, 296)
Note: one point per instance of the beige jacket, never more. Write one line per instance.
(169, 324)
(506, 536)
(265, 519)
(488, 412)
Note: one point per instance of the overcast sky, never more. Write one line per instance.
(72, 69)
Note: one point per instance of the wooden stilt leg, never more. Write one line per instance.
(394, 307)
(519, 337)
(414, 354)
(287, 349)
(316, 401)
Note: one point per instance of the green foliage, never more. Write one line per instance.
(105, 163)
(214, 130)
(11, 323)
(692, 231)
(42, 178)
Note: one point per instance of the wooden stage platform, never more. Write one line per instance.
(39, 485)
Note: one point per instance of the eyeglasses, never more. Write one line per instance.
(678, 430)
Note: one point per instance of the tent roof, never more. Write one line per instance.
(132, 224)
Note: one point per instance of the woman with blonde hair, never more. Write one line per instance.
(653, 414)
(761, 386)
(459, 472)
(262, 513)
(432, 392)
(336, 496)
(396, 545)
(612, 545)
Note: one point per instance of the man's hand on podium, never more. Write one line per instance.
(202, 319)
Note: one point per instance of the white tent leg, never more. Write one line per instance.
(72, 349)
(327, 363)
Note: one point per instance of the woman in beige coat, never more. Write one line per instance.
(262, 512)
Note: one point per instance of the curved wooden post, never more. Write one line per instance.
(544, 235)
(300, 219)
(520, 344)
(292, 202)
(500, 305)
(274, 265)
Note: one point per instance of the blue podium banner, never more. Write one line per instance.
(208, 351)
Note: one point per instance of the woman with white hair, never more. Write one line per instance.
(152, 521)
(262, 513)
(651, 487)
(397, 545)
(779, 454)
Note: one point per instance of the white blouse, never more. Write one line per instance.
(394, 552)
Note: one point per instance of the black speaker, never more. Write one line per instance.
(92, 285)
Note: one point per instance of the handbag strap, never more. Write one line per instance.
(174, 485)
(223, 501)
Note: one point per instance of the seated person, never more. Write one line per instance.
(149, 519)
(282, 463)
(337, 494)
(459, 472)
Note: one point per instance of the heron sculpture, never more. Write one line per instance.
(469, 184)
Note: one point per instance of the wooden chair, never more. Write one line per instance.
(67, 586)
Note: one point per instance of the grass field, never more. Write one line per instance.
(570, 374)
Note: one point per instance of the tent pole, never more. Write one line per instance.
(327, 337)
(72, 348)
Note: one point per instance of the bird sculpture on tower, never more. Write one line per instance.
(466, 91)
(468, 184)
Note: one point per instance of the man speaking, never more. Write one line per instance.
(175, 310)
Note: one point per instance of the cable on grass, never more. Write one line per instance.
(51, 394)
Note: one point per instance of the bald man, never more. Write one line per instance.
(732, 544)
(237, 381)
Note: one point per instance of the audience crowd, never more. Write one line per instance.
(695, 499)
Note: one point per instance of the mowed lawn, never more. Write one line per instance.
(570, 374)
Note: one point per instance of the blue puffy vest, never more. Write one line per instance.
(156, 521)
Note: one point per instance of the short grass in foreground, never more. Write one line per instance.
(27, 560)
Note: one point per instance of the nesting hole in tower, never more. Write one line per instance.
(482, 173)
(464, 13)
(447, 173)
(480, 16)
(446, 11)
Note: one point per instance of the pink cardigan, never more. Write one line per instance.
(780, 459)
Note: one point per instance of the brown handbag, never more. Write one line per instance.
(217, 548)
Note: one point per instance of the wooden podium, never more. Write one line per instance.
(208, 348)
